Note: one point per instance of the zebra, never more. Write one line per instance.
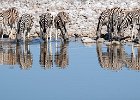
(60, 23)
(24, 26)
(111, 18)
(131, 19)
(46, 22)
(10, 18)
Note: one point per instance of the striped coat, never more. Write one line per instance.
(46, 22)
(24, 25)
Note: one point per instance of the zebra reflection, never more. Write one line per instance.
(24, 56)
(46, 56)
(7, 53)
(61, 56)
(113, 58)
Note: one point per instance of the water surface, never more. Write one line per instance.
(71, 71)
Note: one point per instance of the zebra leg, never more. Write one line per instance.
(62, 34)
(5, 29)
(138, 35)
(50, 33)
(99, 28)
(28, 33)
(15, 26)
(41, 32)
(116, 31)
(109, 32)
(56, 34)
(47, 35)
(139, 32)
(66, 34)
(1, 33)
(117, 34)
(1, 30)
(132, 35)
(24, 35)
(24, 48)
(17, 37)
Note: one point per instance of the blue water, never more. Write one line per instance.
(82, 77)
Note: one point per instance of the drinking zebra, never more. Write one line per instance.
(24, 26)
(60, 23)
(112, 19)
(46, 22)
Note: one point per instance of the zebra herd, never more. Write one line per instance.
(23, 25)
(117, 21)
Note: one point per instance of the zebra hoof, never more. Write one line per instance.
(66, 40)
(17, 40)
(43, 39)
